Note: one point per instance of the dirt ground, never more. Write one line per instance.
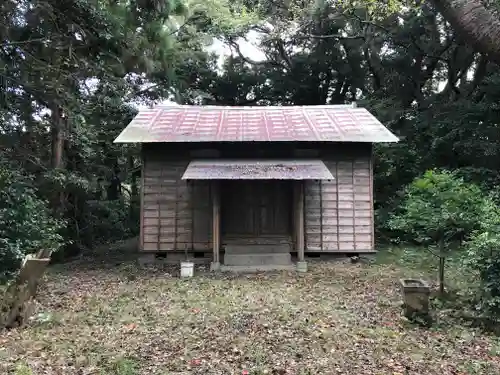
(339, 318)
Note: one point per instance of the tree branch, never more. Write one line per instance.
(140, 92)
(235, 45)
(477, 24)
(330, 36)
(479, 73)
(7, 43)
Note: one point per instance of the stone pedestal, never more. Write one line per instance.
(146, 259)
(301, 266)
(214, 266)
(415, 297)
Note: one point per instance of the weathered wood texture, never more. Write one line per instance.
(177, 215)
(339, 213)
(216, 220)
(256, 208)
(299, 215)
(16, 305)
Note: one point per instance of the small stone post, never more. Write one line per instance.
(416, 298)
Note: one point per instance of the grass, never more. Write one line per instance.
(339, 318)
(419, 262)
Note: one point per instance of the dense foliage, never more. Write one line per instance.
(484, 258)
(438, 209)
(26, 223)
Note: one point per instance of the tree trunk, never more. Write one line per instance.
(441, 274)
(57, 132)
(134, 189)
(477, 24)
(57, 161)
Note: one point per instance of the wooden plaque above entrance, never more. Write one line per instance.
(257, 170)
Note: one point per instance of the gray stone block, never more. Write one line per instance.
(257, 249)
(214, 266)
(250, 269)
(258, 259)
(146, 259)
(301, 266)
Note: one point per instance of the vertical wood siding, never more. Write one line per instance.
(171, 219)
(339, 213)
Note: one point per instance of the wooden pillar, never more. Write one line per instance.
(216, 225)
(299, 220)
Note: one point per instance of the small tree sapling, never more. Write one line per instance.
(438, 210)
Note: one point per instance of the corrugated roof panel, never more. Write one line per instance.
(257, 170)
(330, 123)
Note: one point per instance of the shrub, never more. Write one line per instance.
(437, 210)
(26, 224)
(483, 257)
(108, 221)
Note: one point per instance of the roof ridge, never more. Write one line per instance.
(256, 107)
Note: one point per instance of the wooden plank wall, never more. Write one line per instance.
(339, 213)
(171, 219)
(177, 215)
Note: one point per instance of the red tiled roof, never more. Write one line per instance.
(253, 124)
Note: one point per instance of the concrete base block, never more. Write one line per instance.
(258, 259)
(254, 269)
(257, 249)
(214, 266)
(368, 258)
(301, 266)
(146, 259)
(175, 258)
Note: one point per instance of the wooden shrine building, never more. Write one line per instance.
(226, 181)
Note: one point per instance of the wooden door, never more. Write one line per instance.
(256, 208)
